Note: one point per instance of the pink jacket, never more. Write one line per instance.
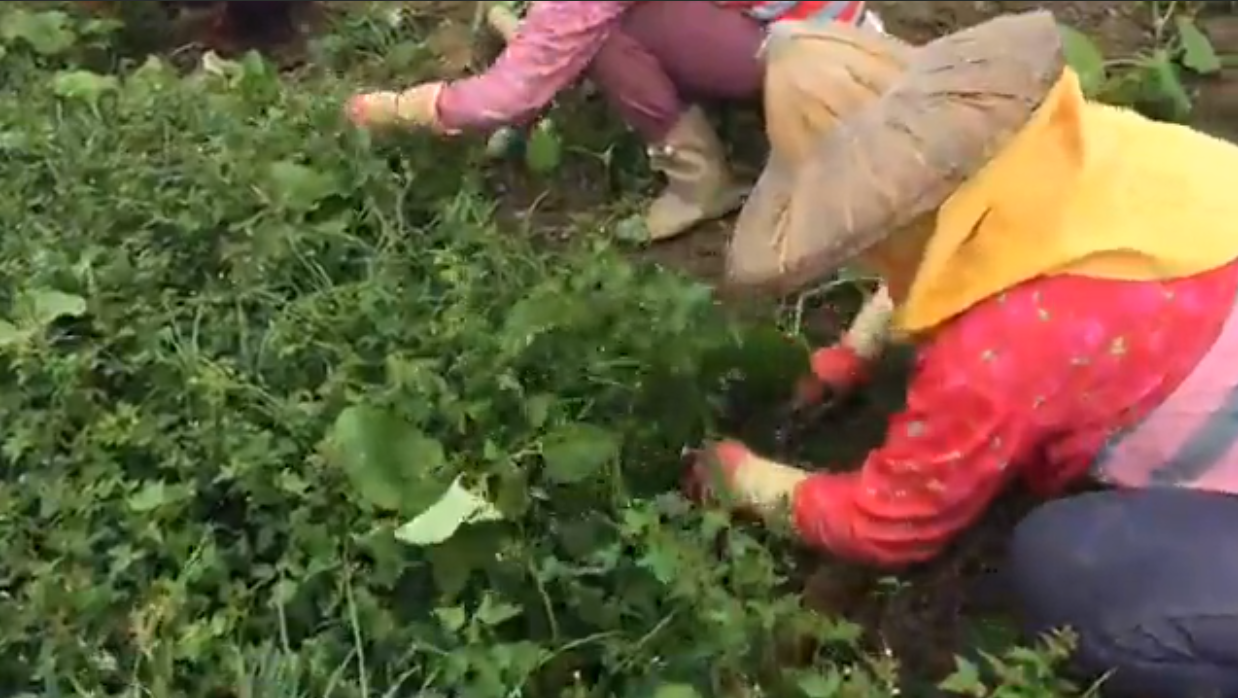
(556, 43)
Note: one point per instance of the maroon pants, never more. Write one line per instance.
(666, 53)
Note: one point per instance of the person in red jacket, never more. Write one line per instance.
(1032, 246)
(653, 61)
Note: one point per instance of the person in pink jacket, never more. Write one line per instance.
(652, 60)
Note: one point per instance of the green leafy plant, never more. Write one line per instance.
(1016, 673)
(541, 145)
(1151, 80)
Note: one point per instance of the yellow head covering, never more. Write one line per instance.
(1083, 189)
(989, 134)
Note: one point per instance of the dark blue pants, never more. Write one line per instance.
(1148, 580)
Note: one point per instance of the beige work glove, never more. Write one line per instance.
(416, 107)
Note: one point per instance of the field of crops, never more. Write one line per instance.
(290, 411)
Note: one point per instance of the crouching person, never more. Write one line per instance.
(653, 61)
(1068, 272)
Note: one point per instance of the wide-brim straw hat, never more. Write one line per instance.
(910, 126)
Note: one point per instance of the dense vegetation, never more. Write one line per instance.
(288, 414)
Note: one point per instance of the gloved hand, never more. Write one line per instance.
(710, 472)
(728, 472)
(839, 369)
(834, 372)
(416, 107)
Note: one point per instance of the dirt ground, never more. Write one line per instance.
(1118, 26)
(934, 612)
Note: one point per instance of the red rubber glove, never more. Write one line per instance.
(835, 371)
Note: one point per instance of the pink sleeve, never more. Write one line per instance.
(556, 42)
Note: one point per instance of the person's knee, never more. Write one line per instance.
(1070, 564)
(1092, 565)
(1044, 555)
(636, 87)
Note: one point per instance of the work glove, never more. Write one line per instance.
(709, 471)
(727, 472)
(834, 373)
(838, 370)
(416, 107)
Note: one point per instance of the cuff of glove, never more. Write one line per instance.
(422, 110)
(753, 484)
(812, 506)
(436, 123)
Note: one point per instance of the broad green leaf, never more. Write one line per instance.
(676, 690)
(48, 33)
(10, 334)
(457, 507)
(150, 497)
(1168, 87)
(153, 69)
(83, 85)
(103, 28)
(453, 564)
(41, 307)
(297, 187)
(540, 311)
(537, 409)
(155, 494)
(1085, 58)
(965, 680)
(256, 69)
(1198, 53)
(813, 684)
(664, 562)
(392, 465)
(575, 452)
(632, 229)
(493, 612)
(543, 150)
(512, 497)
(452, 618)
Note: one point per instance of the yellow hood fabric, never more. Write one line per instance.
(1083, 189)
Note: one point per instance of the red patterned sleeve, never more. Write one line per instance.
(945, 458)
(1027, 385)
